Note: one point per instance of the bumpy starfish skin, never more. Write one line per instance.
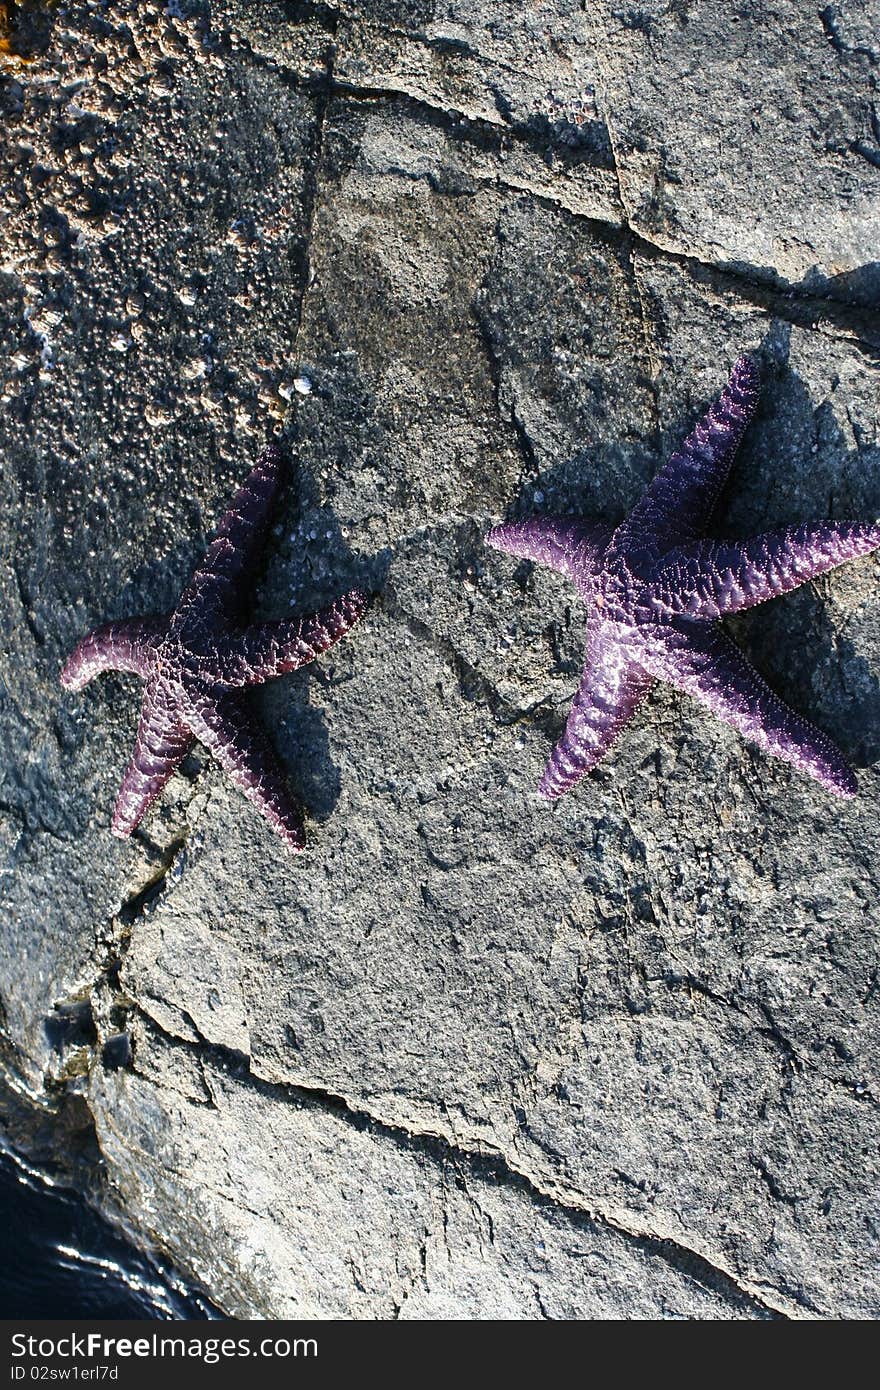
(654, 593)
(195, 661)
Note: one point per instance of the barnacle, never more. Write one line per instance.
(25, 26)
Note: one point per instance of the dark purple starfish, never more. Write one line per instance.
(654, 593)
(196, 660)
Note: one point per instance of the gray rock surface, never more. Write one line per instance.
(747, 135)
(469, 1055)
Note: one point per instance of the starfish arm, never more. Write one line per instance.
(124, 646)
(162, 743)
(679, 502)
(267, 650)
(702, 661)
(217, 586)
(568, 546)
(241, 748)
(611, 689)
(711, 579)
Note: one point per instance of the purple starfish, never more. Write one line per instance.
(654, 593)
(196, 660)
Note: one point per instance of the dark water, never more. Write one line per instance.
(58, 1259)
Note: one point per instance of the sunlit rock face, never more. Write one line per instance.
(468, 1054)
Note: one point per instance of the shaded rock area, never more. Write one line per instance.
(470, 1055)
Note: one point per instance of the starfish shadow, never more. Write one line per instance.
(309, 563)
(793, 466)
(795, 642)
(576, 487)
(859, 287)
(155, 585)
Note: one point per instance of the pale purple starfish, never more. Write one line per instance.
(654, 593)
(196, 660)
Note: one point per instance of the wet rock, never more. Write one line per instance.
(469, 1055)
